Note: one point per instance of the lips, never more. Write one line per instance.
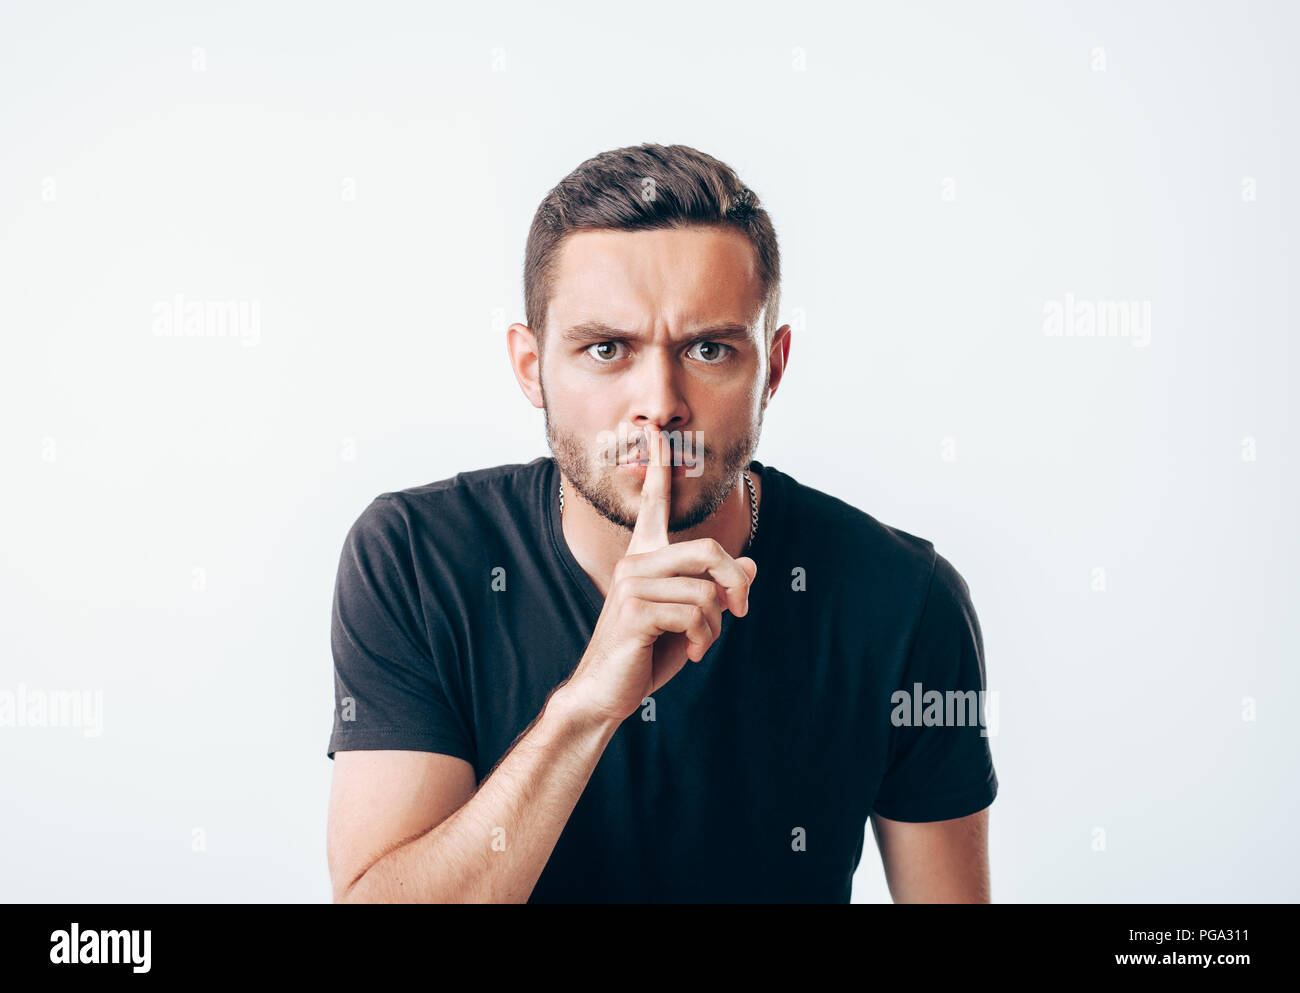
(645, 459)
(676, 464)
(640, 454)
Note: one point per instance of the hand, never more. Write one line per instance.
(664, 606)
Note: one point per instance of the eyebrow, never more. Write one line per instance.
(594, 331)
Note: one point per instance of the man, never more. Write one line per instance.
(650, 668)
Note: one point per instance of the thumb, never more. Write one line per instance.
(749, 565)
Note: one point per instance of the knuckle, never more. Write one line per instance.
(620, 592)
(635, 610)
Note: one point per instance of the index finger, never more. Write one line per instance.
(651, 530)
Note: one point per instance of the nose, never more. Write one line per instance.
(656, 396)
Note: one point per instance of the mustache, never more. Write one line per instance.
(686, 447)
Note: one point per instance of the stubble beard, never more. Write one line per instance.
(596, 482)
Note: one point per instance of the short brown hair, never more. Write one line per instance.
(609, 192)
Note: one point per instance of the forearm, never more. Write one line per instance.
(494, 848)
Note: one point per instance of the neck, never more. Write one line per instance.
(598, 544)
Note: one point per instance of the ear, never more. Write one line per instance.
(778, 357)
(525, 361)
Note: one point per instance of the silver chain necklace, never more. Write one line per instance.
(753, 504)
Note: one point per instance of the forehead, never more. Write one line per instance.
(636, 278)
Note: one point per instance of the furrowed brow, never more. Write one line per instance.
(593, 331)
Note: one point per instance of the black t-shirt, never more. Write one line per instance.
(459, 607)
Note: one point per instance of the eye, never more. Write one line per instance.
(605, 359)
(721, 351)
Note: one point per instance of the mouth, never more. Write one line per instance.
(638, 468)
(681, 458)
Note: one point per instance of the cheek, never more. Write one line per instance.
(566, 399)
(579, 414)
(732, 406)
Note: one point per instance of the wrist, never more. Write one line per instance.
(570, 707)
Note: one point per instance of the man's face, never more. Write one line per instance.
(655, 327)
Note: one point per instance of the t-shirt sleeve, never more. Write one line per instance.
(390, 684)
(941, 766)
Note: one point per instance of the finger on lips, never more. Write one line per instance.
(651, 530)
(699, 557)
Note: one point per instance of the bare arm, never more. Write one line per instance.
(447, 842)
(935, 861)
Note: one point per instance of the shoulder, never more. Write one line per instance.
(456, 505)
(948, 592)
(861, 544)
(470, 486)
(892, 572)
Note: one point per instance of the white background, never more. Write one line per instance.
(131, 460)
